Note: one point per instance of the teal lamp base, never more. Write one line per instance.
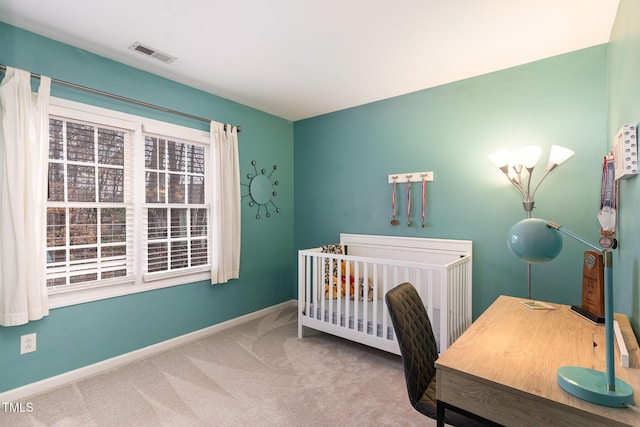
(591, 385)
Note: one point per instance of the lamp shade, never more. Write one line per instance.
(529, 156)
(532, 241)
(500, 158)
(559, 154)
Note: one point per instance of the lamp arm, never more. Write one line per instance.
(518, 187)
(540, 182)
(550, 168)
(516, 184)
(563, 230)
(517, 179)
(528, 192)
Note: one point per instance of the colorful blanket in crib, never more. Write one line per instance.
(335, 284)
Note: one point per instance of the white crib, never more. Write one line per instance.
(343, 294)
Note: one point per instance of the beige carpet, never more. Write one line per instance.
(255, 374)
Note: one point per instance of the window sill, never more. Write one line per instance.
(97, 293)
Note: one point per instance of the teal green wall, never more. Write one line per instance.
(79, 335)
(342, 161)
(341, 165)
(624, 108)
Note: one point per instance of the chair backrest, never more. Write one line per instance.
(415, 337)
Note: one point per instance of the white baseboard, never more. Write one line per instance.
(57, 381)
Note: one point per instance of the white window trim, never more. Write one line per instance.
(78, 294)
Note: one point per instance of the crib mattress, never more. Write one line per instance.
(331, 316)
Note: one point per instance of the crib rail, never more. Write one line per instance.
(344, 295)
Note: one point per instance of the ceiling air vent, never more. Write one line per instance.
(149, 51)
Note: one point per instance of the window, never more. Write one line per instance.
(176, 211)
(128, 208)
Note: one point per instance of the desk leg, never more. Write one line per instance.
(439, 414)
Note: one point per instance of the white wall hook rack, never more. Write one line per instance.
(410, 177)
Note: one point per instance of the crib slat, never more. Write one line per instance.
(385, 289)
(375, 284)
(348, 287)
(345, 285)
(303, 303)
(339, 319)
(311, 266)
(323, 299)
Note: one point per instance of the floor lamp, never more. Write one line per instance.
(518, 167)
(536, 240)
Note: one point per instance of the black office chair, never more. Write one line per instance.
(419, 353)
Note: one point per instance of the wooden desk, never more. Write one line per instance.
(503, 367)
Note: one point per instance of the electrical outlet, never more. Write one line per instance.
(28, 343)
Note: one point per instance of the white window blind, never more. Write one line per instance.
(89, 209)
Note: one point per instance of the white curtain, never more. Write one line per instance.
(225, 203)
(24, 130)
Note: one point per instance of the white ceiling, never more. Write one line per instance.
(302, 58)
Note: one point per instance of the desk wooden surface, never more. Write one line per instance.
(504, 367)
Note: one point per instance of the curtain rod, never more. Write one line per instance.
(122, 98)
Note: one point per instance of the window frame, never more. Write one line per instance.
(139, 281)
